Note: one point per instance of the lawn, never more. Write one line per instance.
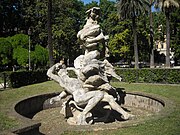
(169, 125)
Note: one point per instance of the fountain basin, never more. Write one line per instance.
(28, 109)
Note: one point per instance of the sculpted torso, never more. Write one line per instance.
(91, 85)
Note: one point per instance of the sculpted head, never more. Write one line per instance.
(93, 13)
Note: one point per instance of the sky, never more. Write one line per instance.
(88, 1)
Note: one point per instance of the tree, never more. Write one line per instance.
(66, 24)
(21, 56)
(119, 45)
(167, 6)
(16, 50)
(18, 40)
(39, 56)
(143, 38)
(151, 35)
(5, 52)
(90, 5)
(10, 17)
(108, 9)
(132, 9)
(175, 35)
(50, 46)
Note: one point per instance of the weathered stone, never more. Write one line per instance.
(95, 80)
(91, 86)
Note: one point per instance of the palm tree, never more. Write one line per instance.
(167, 6)
(151, 36)
(131, 9)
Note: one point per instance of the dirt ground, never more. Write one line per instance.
(54, 123)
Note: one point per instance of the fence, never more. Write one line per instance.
(4, 81)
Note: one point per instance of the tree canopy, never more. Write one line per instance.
(68, 17)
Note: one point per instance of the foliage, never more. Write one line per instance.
(147, 75)
(20, 47)
(159, 22)
(68, 17)
(19, 40)
(143, 38)
(21, 56)
(112, 26)
(39, 56)
(119, 45)
(131, 10)
(167, 7)
(34, 14)
(23, 78)
(171, 76)
(5, 52)
(108, 10)
(175, 34)
(15, 51)
(90, 5)
(10, 17)
(66, 24)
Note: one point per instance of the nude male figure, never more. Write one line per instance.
(82, 96)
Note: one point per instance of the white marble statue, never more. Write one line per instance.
(92, 85)
(91, 34)
(82, 96)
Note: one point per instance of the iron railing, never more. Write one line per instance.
(4, 81)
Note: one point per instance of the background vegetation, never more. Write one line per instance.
(68, 17)
(147, 75)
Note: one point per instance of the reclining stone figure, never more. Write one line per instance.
(82, 96)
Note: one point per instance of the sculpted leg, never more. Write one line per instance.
(93, 98)
(96, 96)
(108, 98)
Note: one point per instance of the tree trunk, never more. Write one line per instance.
(135, 43)
(151, 39)
(50, 47)
(167, 40)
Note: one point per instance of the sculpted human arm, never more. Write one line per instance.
(59, 97)
(51, 72)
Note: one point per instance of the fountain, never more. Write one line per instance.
(91, 89)
(88, 99)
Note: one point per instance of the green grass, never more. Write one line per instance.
(9, 97)
(169, 125)
(6, 122)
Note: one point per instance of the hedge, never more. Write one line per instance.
(23, 78)
(166, 76)
(155, 75)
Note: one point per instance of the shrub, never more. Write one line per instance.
(170, 76)
(5, 52)
(22, 78)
